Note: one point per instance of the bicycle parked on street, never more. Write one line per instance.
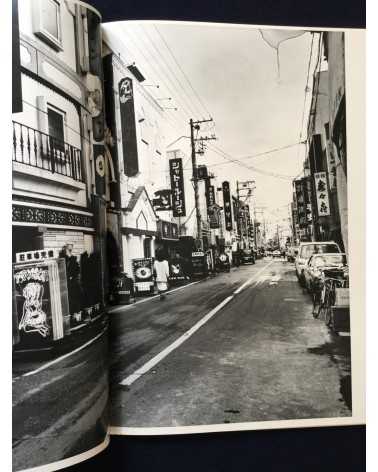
(326, 298)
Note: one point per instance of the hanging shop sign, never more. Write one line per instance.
(213, 214)
(210, 193)
(227, 205)
(322, 197)
(202, 173)
(41, 301)
(307, 191)
(143, 274)
(111, 137)
(129, 137)
(177, 187)
(299, 191)
(162, 200)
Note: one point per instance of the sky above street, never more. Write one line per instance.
(231, 73)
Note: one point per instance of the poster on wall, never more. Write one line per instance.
(41, 301)
(177, 187)
(129, 137)
(301, 206)
(322, 197)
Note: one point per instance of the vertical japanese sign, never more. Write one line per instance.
(111, 150)
(322, 197)
(129, 138)
(177, 187)
(307, 190)
(227, 205)
(301, 208)
(210, 194)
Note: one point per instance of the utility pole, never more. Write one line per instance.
(195, 125)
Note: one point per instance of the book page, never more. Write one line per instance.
(234, 151)
(60, 335)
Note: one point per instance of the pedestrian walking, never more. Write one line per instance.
(161, 271)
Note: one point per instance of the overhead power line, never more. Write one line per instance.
(183, 72)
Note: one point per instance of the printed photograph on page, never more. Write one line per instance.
(60, 338)
(230, 246)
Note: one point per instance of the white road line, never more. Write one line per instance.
(155, 360)
(125, 307)
(242, 287)
(65, 356)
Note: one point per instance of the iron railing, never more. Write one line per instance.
(37, 149)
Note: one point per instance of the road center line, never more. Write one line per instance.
(65, 356)
(130, 379)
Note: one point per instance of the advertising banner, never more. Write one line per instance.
(307, 191)
(199, 263)
(210, 194)
(322, 197)
(111, 148)
(227, 205)
(301, 205)
(177, 187)
(143, 274)
(41, 301)
(129, 137)
(162, 200)
(176, 271)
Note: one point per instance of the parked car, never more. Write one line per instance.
(247, 256)
(291, 253)
(307, 249)
(276, 253)
(320, 264)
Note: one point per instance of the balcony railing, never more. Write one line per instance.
(37, 149)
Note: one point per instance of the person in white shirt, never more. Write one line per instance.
(161, 271)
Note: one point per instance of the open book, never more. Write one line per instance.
(186, 254)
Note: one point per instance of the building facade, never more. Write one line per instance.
(57, 185)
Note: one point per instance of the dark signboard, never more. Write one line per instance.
(202, 172)
(307, 189)
(142, 269)
(176, 270)
(210, 193)
(99, 160)
(199, 263)
(111, 148)
(301, 204)
(227, 205)
(162, 200)
(129, 137)
(177, 187)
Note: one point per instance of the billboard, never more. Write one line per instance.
(227, 205)
(128, 129)
(177, 187)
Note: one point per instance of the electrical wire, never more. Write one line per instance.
(193, 110)
(183, 72)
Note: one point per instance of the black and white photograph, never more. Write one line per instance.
(186, 249)
(233, 225)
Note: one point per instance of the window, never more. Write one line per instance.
(56, 119)
(47, 23)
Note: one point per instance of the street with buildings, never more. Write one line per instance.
(144, 144)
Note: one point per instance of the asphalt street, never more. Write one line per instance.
(241, 346)
(60, 404)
